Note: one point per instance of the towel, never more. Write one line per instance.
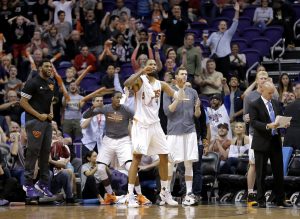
(148, 90)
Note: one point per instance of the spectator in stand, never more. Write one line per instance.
(41, 12)
(284, 85)
(107, 57)
(109, 26)
(121, 49)
(210, 80)
(209, 10)
(63, 27)
(174, 27)
(93, 129)
(90, 186)
(12, 108)
(237, 62)
(13, 83)
(6, 12)
(144, 8)
(37, 43)
(70, 76)
(108, 79)
(191, 57)
(90, 24)
(54, 40)
(84, 59)
(62, 5)
(20, 35)
(73, 45)
(233, 99)
(292, 137)
(5, 63)
(72, 113)
(120, 8)
(263, 15)
(219, 43)
(287, 98)
(284, 15)
(156, 17)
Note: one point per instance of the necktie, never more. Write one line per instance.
(272, 115)
(99, 119)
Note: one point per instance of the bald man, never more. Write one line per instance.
(267, 144)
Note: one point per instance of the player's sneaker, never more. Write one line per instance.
(166, 197)
(132, 201)
(109, 199)
(31, 192)
(43, 188)
(142, 200)
(189, 200)
(251, 199)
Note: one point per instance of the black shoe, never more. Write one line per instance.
(261, 204)
(71, 201)
(298, 204)
(284, 204)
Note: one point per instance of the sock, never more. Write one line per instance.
(130, 189)
(250, 191)
(164, 184)
(169, 185)
(138, 189)
(108, 189)
(188, 186)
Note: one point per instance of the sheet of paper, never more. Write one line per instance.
(283, 121)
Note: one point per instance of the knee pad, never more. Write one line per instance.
(101, 172)
(188, 168)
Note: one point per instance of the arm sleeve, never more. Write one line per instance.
(28, 90)
(93, 112)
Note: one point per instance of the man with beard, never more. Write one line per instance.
(182, 137)
(217, 114)
(116, 143)
(72, 112)
(36, 99)
(148, 137)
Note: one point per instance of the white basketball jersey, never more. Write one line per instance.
(147, 114)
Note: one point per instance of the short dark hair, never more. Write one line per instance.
(60, 12)
(210, 60)
(223, 125)
(179, 69)
(112, 18)
(45, 60)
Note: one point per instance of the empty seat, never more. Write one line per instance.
(126, 70)
(252, 56)
(273, 33)
(244, 22)
(296, 8)
(199, 26)
(243, 44)
(228, 12)
(262, 44)
(251, 33)
(249, 11)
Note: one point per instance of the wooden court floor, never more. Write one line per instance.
(163, 212)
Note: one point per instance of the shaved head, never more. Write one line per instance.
(268, 90)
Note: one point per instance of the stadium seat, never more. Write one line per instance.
(243, 44)
(252, 56)
(250, 33)
(244, 22)
(228, 12)
(249, 11)
(273, 33)
(262, 44)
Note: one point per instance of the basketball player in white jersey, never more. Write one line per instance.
(147, 135)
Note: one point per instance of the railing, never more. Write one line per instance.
(295, 29)
(280, 41)
(249, 70)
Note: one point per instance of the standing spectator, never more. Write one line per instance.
(93, 129)
(107, 57)
(54, 40)
(219, 43)
(110, 31)
(263, 15)
(62, 5)
(37, 103)
(12, 108)
(72, 113)
(237, 62)
(13, 83)
(121, 49)
(41, 12)
(73, 45)
(121, 8)
(37, 43)
(84, 59)
(292, 137)
(63, 27)
(174, 27)
(144, 8)
(156, 17)
(193, 56)
(284, 85)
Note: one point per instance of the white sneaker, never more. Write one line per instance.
(166, 197)
(132, 201)
(189, 199)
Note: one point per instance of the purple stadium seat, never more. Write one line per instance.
(296, 8)
(251, 33)
(243, 44)
(199, 26)
(228, 12)
(89, 84)
(217, 20)
(126, 70)
(195, 32)
(244, 22)
(262, 44)
(273, 33)
(108, 6)
(249, 11)
(252, 56)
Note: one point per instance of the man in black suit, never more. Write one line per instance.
(267, 144)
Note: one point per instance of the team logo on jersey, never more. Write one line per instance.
(51, 86)
(36, 134)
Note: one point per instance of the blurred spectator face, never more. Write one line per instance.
(116, 99)
(176, 10)
(115, 22)
(54, 125)
(93, 157)
(36, 35)
(260, 68)
(90, 15)
(215, 103)
(85, 51)
(291, 97)
(142, 60)
(261, 79)
(119, 4)
(161, 37)
(222, 132)
(222, 26)
(120, 39)
(285, 80)
(235, 49)
(14, 127)
(70, 73)
(156, 6)
(182, 74)
(97, 102)
(143, 36)
(124, 16)
(210, 67)
(19, 20)
(297, 90)
(53, 31)
(5, 61)
(239, 128)
(264, 3)
(12, 96)
(54, 135)
(13, 71)
(168, 77)
(170, 64)
(73, 88)
(110, 70)
(45, 25)
(75, 35)
(234, 82)
(61, 17)
(38, 55)
(172, 55)
(189, 41)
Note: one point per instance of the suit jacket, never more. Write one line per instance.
(259, 118)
